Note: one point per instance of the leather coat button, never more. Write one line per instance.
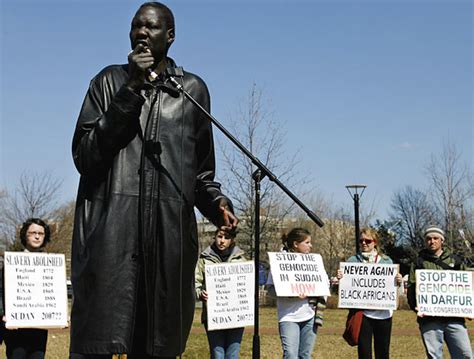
(134, 257)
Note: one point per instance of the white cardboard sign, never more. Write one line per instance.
(297, 273)
(230, 288)
(368, 286)
(445, 293)
(35, 290)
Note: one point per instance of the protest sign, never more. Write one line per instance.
(35, 290)
(297, 273)
(444, 293)
(230, 288)
(368, 286)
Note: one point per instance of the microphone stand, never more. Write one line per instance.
(257, 176)
(261, 172)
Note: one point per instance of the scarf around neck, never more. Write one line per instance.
(370, 257)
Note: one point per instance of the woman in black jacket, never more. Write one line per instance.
(29, 343)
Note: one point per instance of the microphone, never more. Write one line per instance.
(171, 73)
(176, 83)
(175, 88)
(152, 75)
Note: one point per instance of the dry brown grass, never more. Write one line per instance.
(406, 342)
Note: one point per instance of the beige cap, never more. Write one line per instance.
(433, 229)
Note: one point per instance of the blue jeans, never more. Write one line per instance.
(225, 343)
(454, 331)
(297, 339)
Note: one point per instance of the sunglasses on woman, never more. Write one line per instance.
(366, 241)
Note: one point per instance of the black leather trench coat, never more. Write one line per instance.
(145, 161)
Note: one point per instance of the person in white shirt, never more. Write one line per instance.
(296, 315)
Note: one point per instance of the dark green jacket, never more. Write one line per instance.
(427, 260)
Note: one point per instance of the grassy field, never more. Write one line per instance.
(406, 342)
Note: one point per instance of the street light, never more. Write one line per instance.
(356, 191)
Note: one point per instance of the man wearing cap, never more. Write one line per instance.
(434, 329)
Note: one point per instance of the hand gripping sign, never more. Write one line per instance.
(444, 293)
(297, 273)
(35, 290)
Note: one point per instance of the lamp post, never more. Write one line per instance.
(356, 191)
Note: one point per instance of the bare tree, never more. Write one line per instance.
(3, 220)
(411, 209)
(62, 221)
(452, 193)
(36, 196)
(390, 245)
(335, 241)
(255, 127)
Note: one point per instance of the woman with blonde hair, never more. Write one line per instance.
(375, 323)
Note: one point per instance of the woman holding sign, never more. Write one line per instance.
(298, 317)
(223, 343)
(29, 343)
(375, 323)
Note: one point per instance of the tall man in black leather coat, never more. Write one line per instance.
(146, 158)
